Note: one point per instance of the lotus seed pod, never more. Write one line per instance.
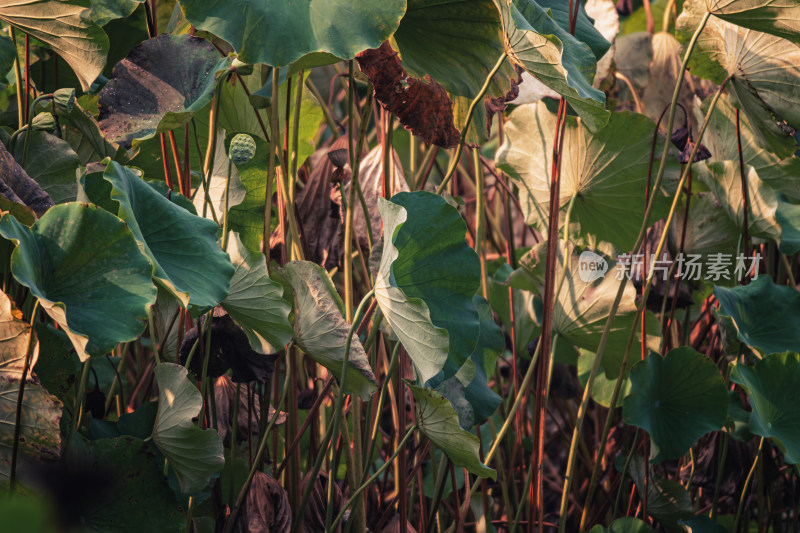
(242, 149)
(44, 122)
(64, 99)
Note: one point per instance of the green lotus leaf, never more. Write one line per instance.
(65, 25)
(624, 525)
(52, 163)
(468, 390)
(194, 454)
(158, 87)
(321, 330)
(181, 246)
(606, 170)
(677, 399)
(426, 281)
(140, 496)
(777, 17)
(554, 57)
(83, 134)
(584, 27)
(703, 524)
(764, 79)
(765, 314)
(255, 301)
(603, 387)
(14, 337)
(773, 384)
(87, 271)
(280, 33)
(438, 421)
(788, 216)
(104, 11)
(40, 437)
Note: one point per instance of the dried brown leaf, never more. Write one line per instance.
(314, 517)
(394, 526)
(249, 415)
(266, 507)
(422, 106)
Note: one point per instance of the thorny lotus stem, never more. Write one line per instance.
(18, 417)
(262, 446)
(562, 522)
(470, 111)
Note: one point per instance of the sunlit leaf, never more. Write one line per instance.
(778, 17)
(439, 422)
(158, 87)
(193, 453)
(255, 301)
(66, 26)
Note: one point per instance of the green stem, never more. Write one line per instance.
(474, 104)
(562, 523)
(18, 418)
(747, 482)
(78, 412)
(18, 78)
(225, 209)
(372, 479)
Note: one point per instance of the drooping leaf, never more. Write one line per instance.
(265, 507)
(255, 301)
(422, 106)
(17, 186)
(193, 453)
(764, 78)
(606, 170)
(181, 246)
(773, 384)
(40, 437)
(66, 26)
(321, 330)
(554, 57)
(777, 171)
(765, 314)
(279, 34)
(426, 281)
(585, 30)
(52, 163)
(677, 399)
(87, 271)
(139, 497)
(158, 87)
(777, 17)
(439, 422)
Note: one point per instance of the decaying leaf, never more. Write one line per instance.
(224, 398)
(394, 526)
(422, 106)
(230, 349)
(266, 508)
(18, 187)
(314, 517)
(370, 176)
